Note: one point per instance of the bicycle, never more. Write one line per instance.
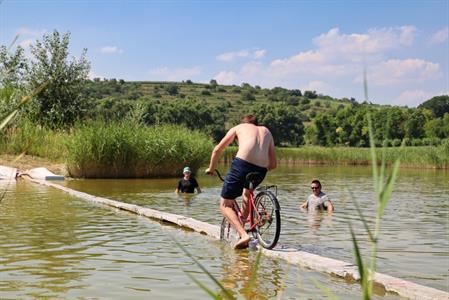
(264, 214)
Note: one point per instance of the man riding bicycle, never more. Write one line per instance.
(255, 154)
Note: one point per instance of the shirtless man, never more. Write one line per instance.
(255, 154)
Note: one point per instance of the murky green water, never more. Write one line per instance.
(56, 246)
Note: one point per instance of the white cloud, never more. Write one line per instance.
(28, 32)
(413, 97)
(374, 41)
(232, 56)
(93, 75)
(397, 71)
(316, 85)
(111, 49)
(259, 53)
(178, 74)
(440, 36)
(226, 77)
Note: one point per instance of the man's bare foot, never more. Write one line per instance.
(242, 243)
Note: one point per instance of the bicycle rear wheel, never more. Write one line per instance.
(228, 233)
(266, 215)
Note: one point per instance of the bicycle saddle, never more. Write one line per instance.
(253, 176)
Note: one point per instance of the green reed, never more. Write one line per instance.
(420, 157)
(34, 140)
(128, 149)
(383, 187)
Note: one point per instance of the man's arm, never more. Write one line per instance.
(303, 206)
(225, 141)
(272, 163)
(330, 207)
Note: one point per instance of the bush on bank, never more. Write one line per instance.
(130, 150)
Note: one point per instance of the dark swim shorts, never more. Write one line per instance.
(235, 180)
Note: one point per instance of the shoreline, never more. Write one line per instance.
(27, 162)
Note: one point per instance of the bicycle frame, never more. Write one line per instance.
(251, 207)
(260, 217)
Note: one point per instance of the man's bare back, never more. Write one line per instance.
(254, 144)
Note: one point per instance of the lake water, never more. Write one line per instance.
(57, 246)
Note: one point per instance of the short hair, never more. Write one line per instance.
(317, 182)
(251, 119)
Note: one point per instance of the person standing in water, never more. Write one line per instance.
(255, 154)
(187, 184)
(317, 200)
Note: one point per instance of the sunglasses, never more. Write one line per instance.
(315, 187)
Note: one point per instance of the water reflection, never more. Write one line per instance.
(250, 279)
(187, 198)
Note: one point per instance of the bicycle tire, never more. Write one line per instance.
(266, 214)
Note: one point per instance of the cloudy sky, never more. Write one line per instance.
(308, 45)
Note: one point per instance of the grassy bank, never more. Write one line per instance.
(419, 157)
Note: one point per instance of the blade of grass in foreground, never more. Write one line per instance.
(383, 189)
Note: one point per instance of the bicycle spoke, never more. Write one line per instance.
(266, 219)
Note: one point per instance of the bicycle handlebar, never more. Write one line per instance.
(219, 175)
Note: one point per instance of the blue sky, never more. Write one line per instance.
(308, 45)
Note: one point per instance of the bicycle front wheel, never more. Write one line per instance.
(267, 218)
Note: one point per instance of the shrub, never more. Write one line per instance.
(206, 93)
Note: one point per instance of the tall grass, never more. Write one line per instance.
(34, 140)
(383, 187)
(420, 157)
(127, 150)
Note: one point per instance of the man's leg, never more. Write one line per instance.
(245, 197)
(226, 207)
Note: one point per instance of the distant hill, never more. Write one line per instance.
(295, 117)
(439, 105)
(234, 97)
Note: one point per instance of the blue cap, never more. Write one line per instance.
(186, 170)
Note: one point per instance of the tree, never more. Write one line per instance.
(61, 102)
(13, 67)
(310, 94)
(284, 122)
(414, 126)
(172, 89)
(439, 105)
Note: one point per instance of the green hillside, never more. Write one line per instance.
(295, 117)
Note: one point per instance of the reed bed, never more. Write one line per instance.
(420, 157)
(130, 150)
(27, 137)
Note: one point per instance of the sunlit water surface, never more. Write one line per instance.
(57, 246)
